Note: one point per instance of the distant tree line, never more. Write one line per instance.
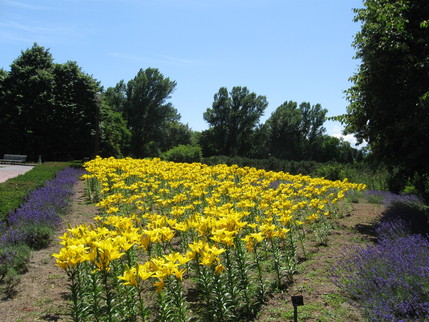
(60, 113)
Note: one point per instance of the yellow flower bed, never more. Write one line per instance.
(230, 232)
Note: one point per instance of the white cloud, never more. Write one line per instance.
(337, 132)
(22, 5)
(21, 27)
(45, 33)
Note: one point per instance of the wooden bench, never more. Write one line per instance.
(13, 159)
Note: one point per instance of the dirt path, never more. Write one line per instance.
(41, 294)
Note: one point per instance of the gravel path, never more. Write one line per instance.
(11, 171)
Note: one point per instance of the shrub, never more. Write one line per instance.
(13, 257)
(38, 236)
(184, 153)
(42, 209)
(269, 164)
(331, 172)
(390, 280)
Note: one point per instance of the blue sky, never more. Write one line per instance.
(297, 50)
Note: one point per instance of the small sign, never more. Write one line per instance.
(297, 300)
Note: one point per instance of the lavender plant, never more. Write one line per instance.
(388, 280)
(33, 223)
(389, 198)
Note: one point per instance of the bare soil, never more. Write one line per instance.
(42, 292)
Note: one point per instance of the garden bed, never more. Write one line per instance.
(42, 293)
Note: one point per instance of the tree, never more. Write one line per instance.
(284, 128)
(389, 100)
(7, 114)
(313, 118)
(47, 109)
(334, 149)
(114, 134)
(73, 124)
(232, 119)
(116, 97)
(173, 134)
(147, 111)
(27, 101)
(294, 132)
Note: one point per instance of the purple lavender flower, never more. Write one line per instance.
(388, 198)
(43, 208)
(389, 280)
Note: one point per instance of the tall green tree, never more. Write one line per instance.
(233, 118)
(285, 137)
(116, 97)
(389, 100)
(313, 118)
(27, 101)
(294, 132)
(47, 109)
(114, 133)
(147, 110)
(173, 134)
(75, 117)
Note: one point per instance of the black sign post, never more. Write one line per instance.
(297, 301)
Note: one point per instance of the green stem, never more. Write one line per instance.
(260, 279)
(74, 289)
(142, 307)
(179, 300)
(231, 280)
(109, 299)
(276, 262)
(221, 303)
(95, 293)
(243, 271)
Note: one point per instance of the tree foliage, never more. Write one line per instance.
(152, 121)
(294, 132)
(389, 100)
(233, 118)
(114, 134)
(59, 112)
(146, 108)
(46, 108)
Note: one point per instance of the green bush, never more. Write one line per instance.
(376, 178)
(269, 164)
(38, 235)
(13, 258)
(184, 153)
(331, 172)
(13, 262)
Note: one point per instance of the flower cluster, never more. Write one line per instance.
(43, 207)
(231, 231)
(389, 280)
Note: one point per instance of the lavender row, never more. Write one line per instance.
(390, 280)
(388, 198)
(35, 219)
